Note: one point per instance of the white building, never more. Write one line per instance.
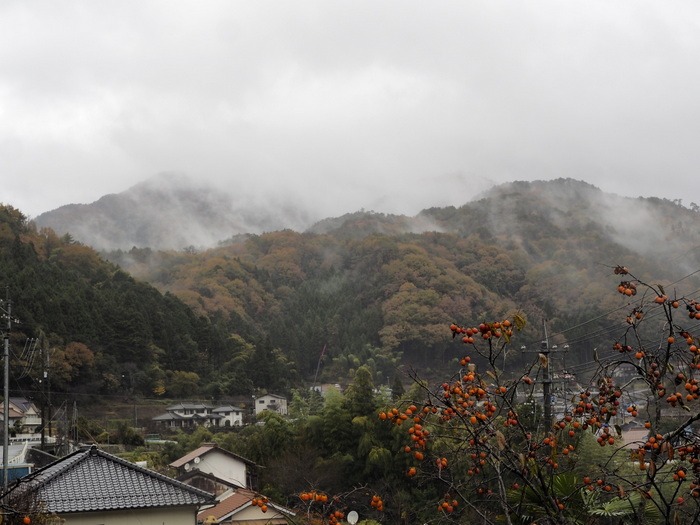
(31, 418)
(190, 415)
(271, 402)
(218, 462)
(230, 416)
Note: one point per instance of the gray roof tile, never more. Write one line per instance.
(92, 480)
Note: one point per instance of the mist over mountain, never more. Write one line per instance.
(525, 213)
(172, 211)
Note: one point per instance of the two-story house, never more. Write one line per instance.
(233, 481)
(15, 416)
(31, 418)
(271, 402)
(231, 416)
(189, 415)
(225, 465)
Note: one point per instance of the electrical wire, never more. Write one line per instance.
(617, 325)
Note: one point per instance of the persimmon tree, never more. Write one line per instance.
(470, 436)
(21, 506)
(654, 372)
(319, 507)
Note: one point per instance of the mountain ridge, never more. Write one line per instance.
(169, 211)
(173, 211)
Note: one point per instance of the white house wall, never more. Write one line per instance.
(223, 467)
(263, 403)
(179, 516)
(234, 419)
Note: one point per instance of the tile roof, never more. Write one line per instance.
(634, 437)
(92, 480)
(174, 416)
(14, 413)
(227, 408)
(23, 404)
(169, 416)
(189, 406)
(266, 521)
(236, 501)
(240, 500)
(271, 395)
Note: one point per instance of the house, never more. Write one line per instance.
(208, 483)
(25, 422)
(15, 416)
(219, 472)
(190, 415)
(230, 416)
(634, 436)
(90, 486)
(239, 507)
(234, 504)
(31, 418)
(226, 466)
(271, 402)
(324, 388)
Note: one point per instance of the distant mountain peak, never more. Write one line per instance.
(170, 211)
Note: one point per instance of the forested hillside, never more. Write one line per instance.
(287, 308)
(96, 329)
(381, 289)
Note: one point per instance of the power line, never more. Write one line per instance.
(618, 324)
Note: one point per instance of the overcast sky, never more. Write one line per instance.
(386, 105)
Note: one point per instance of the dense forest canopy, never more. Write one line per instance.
(283, 309)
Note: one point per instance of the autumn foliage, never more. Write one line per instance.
(468, 433)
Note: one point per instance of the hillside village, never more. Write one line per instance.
(90, 485)
(189, 415)
(211, 483)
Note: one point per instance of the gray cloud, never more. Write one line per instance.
(392, 106)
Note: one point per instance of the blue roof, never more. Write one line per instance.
(92, 480)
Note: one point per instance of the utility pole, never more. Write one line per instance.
(46, 399)
(544, 356)
(6, 400)
(48, 386)
(74, 423)
(546, 381)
